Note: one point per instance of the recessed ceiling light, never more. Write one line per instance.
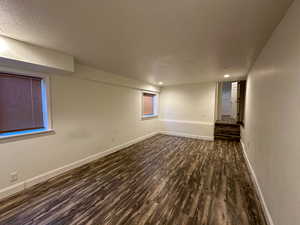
(3, 45)
(160, 83)
(226, 75)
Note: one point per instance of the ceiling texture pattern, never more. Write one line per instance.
(173, 41)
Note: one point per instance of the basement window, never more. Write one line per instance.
(150, 105)
(23, 105)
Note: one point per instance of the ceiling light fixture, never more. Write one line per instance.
(160, 83)
(226, 75)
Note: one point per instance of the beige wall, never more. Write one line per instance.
(19, 54)
(89, 117)
(273, 120)
(188, 109)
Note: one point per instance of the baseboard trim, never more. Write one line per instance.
(11, 190)
(257, 186)
(179, 134)
(188, 122)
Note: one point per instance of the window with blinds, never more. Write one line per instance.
(149, 105)
(20, 103)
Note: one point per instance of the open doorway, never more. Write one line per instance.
(231, 101)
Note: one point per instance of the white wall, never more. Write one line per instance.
(16, 53)
(89, 117)
(188, 109)
(272, 120)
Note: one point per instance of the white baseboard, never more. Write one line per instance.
(6, 192)
(257, 186)
(178, 134)
(188, 122)
(11, 190)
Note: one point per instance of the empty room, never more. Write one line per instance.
(149, 112)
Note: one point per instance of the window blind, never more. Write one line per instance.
(148, 104)
(20, 103)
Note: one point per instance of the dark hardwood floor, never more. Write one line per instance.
(163, 180)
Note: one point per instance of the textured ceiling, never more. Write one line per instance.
(174, 41)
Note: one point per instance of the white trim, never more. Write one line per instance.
(149, 116)
(257, 186)
(188, 121)
(46, 102)
(11, 190)
(178, 134)
(26, 134)
(45, 176)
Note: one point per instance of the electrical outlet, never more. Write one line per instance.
(13, 177)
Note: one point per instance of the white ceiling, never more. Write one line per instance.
(174, 41)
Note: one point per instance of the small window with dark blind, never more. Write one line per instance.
(22, 106)
(149, 105)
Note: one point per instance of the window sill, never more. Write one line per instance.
(24, 133)
(144, 117)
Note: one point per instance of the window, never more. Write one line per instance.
(23, 105)
(149, 105)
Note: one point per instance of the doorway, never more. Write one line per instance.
(231, 101)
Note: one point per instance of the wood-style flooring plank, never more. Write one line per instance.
(164, 180)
